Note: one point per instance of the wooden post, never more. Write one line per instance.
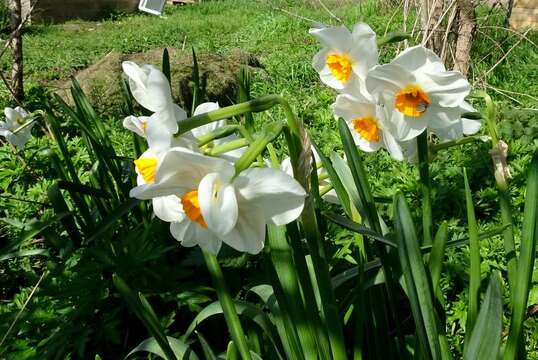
(17, 75)
(466, 29)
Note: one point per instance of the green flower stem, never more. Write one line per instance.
(269, 133)
(228, 307)
(257, 105)
(226, 147)
(217, 134)
(425, 185)
(465, 140)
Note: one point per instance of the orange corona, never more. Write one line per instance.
(367, 128)
(191, 207)
(340, 66)
(412, 101)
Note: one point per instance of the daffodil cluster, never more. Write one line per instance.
(388, 106)
(17, 128)
(203, 198)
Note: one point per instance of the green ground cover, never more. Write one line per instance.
(276, 32)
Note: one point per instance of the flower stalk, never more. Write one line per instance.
(425, 186)
(228, 307)
(226, 147)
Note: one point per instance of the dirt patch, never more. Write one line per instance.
(102, 80)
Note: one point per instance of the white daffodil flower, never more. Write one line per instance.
(213, 126)
(455, 129)
(346, 57)
(164, 207)
(15, 118)
(157, 133)
(420, 90)
(219, 207)
(151, 89)
(368, 124)
(138, 125)
(330, 196)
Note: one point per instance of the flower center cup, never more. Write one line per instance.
(191, 207)
(412, 101)
(144, 126)
(147, 167)
(367, 128)
(340, 66)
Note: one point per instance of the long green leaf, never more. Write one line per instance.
(143, 311)
(358, 228)
(208, 352)
(24, 253)
(112, 218)
(474, 257)
(335, 181)
(418, 284)
(486, 335)
(166, 65)
(525, 264)
(291, 304)
(60, 207)
(435, 261)
(181, 350)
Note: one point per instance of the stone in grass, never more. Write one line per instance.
(102, 80)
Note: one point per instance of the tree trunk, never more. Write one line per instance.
(466, 29)
(432, 10)
(17, 78)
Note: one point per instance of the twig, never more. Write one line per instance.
(430, 32)
(18, 29)
(295, 15)
(447, 32)
(499, 91)
(10, 89)
(22, 309)
(523, 36)
(7, 197)
(494, 42)
(331, 14)
(7, 45)
(396, 11)
(405, 17)
(506, 54)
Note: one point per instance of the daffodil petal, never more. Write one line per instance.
(186, 168)
(333, 37)
(168, 208)
(470, 127)
(218, 203)
(448, 89)
(157, 134)
(392, 146)
(184, 232)
(279, 196)
(136, 124)
(388, 78)
(248, 235)
(190, 234)
(419, 58)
